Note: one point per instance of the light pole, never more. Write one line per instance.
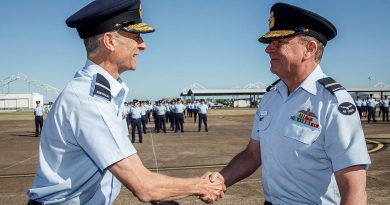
(369, 81)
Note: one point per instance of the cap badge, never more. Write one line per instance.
(271, 20)
(140, 11)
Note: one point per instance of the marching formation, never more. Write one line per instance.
(164, 113)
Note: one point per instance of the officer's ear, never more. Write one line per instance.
(108, 41)
(311, 49)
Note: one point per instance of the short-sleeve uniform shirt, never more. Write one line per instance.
(304, 138)
(83, 135)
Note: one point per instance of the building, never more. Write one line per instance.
(17, 102)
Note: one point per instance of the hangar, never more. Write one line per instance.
(15, 102)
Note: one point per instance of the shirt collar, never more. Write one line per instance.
(309, 84)
(116, 85)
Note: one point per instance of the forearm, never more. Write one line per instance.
(163, 188)
(240, 167)
(148, 186)
(352, 185)
(354, 197)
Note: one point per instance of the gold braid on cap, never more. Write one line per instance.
(278, 33)
(140, 27)
(271, 20)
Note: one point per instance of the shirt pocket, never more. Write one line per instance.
(301, 133)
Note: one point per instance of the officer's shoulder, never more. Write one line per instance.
(338, 95)
(100, 87)
(272, 86)
(334, 89)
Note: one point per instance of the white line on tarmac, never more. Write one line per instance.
(17, 163)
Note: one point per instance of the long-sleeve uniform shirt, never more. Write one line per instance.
(304, 138)
(84, 134)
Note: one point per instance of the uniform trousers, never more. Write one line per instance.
(144, 121)
(179, 122)
(385, 114)
(33, 202)
(195, 114)
(136, 123)
(167, 116)
(161, 122)
(202, 117)
(172, 118)
(371, 114)
(360, 110)
(38, 125)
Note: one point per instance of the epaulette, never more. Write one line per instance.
(269, 88)
(102, 87)
(331, 84)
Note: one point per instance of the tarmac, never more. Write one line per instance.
(187, 154)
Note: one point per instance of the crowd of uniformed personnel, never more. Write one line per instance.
(139, 113)
(367, 108)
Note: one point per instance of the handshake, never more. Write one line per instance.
(211, 187)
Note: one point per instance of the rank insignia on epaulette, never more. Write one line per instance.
(306, 117)
(331, 84)
(102, 87)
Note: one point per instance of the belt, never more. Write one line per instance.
(267, 203)
(33, 202)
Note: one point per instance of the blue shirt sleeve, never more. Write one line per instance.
(344, 140)
(101, 133)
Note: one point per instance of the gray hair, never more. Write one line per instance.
(92, 44)
(320, 46)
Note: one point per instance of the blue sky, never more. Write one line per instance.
(211, 42)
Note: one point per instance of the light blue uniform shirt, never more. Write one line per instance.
(143, 110)
(202, 109)
(136, 112)
(179, 108)
(160, 109)
(167, 107)
(84, 134)
(299, 157)
(371, 102)
(38, 111)
(359, 103)
(385, 103)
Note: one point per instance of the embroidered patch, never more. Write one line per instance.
(102, 87)
(306, 117)
(347, 108)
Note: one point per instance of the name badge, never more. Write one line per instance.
(264, 113)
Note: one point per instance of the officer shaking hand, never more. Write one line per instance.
(306, 132)
(85, 153)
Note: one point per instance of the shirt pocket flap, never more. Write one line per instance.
(301, 133)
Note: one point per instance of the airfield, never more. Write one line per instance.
(187, 154)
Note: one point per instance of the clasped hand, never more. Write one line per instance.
(214, 187)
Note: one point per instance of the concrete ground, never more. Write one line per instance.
(185, 154)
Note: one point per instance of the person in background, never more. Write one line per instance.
(38, 113)
(385, 104)
(371, 109)
(202, 112)
(359, 104)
